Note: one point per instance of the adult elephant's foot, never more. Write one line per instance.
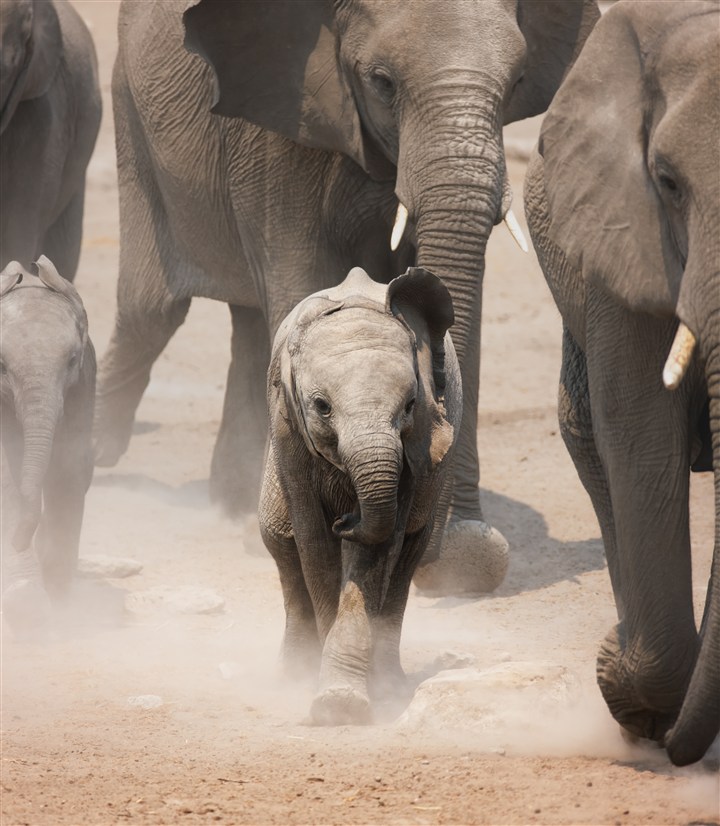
(340, 705)
(473, 560)
(112, 429)
(26, 606)
(627, 699)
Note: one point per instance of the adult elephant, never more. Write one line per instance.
(623, 201)
(330, 113)
(49, 119)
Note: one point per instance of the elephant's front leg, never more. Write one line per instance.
(238, 456)
(642, 437)
(301, 643)
(343, 697)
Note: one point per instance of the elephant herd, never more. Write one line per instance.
(332, 170)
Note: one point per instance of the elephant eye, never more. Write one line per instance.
(668, 183)
(383, 85)
(409, 407)
(322, 406)
(72, 361)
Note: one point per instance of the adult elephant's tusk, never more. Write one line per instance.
(511, 222)
(399, 227)
(679, 358)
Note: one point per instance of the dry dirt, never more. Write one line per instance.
(234, 749)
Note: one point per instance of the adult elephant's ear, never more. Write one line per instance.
(422, 302)
(605, 213)
(30, 61)
(554, 31)
(276, 65)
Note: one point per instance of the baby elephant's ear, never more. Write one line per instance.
(419, 294)
(10, 277)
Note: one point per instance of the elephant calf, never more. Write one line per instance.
(365, 401)
(47, 394)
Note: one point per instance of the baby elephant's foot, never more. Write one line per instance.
(340, 705)
(473, 560)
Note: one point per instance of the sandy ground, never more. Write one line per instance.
(229, 743)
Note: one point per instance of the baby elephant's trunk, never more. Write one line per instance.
(374, 466)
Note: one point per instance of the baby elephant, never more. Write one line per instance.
(365, 402)
(47, 392)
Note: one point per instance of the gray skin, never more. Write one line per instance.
(47, 393)
(365, 403)
(365, 103)
(49, 118)
(623, 203)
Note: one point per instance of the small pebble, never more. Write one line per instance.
(145, 701)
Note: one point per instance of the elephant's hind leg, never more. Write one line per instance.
(238, 456)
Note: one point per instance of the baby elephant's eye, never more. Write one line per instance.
(72, 361)
(409, 407)
(322, 406)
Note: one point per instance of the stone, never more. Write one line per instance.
(145, 701)
(107, 567)
(180, 600)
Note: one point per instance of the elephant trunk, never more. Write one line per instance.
(39, 416)
(699, 720)
(455, 200)
(374, 468)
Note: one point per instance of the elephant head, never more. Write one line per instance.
(362, 371)
(44, 339)
(417, 94)
(31, 47)
(631, 151)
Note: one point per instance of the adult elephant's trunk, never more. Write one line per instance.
(452, 182)
(699, 721)
(374, 463)
(39, 415)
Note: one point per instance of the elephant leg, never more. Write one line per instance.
(66, 483)
(642, 437)
(25, 605)
(238, 456)
(301, 643)
(63, 240)
(343, 697)
(387, 677)
(577, 431)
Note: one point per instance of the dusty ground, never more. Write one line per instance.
(234, 749)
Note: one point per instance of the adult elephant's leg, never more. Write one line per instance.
(641, 431)
(576, 427)
(238, 456)
(63, 239)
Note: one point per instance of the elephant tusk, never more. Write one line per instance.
(511, 222)
(679, 358)
(399, 227)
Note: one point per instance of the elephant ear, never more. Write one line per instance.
(605, 213)
(10, 277)
(276, 65)
(423, 303)
(36, 32)
(52, 279)
(554, 31)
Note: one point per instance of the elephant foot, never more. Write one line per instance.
(26, 607)
(234, 486)
(340, 705)
(109, 443)
(619, 687)
(473, 560)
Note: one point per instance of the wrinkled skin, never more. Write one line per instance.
(49, 119)
(623, 202)
(365, 403)
(394, 100)
(47, 392)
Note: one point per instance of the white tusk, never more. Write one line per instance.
(679, 358)
(399, 227)
(511, 222)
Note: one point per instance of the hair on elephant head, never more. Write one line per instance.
(47, 384)
(626, 185)
(363, 373)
